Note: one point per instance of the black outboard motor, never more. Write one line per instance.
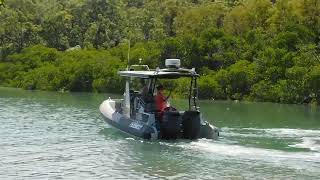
(191, 124)
(171, 125)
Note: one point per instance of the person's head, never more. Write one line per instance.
(160, 88)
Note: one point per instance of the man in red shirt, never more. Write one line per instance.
(161, 99)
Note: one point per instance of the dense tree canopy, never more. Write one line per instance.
(262, 50)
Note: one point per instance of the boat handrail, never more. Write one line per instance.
(140, 65)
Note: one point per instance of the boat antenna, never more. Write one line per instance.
(128, 53)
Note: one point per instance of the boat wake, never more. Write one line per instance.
(302, 138)
(227, 148)
(296, 160)
(313, 143)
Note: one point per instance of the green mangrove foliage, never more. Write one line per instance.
(43, 68)
(259, 50)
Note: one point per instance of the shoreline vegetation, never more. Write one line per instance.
(252, 50)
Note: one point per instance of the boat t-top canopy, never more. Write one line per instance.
(160, 73)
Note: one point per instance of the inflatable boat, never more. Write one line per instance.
(137, 113)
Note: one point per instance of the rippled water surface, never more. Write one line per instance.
(47, 135)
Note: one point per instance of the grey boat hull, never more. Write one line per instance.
(131, 127)
(170, 128)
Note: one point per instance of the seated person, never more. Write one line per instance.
(161, 99)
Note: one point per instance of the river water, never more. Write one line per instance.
(49, 135)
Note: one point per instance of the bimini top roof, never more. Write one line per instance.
(160, 73)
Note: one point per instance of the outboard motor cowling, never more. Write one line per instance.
(191, 124)
(171, 125)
